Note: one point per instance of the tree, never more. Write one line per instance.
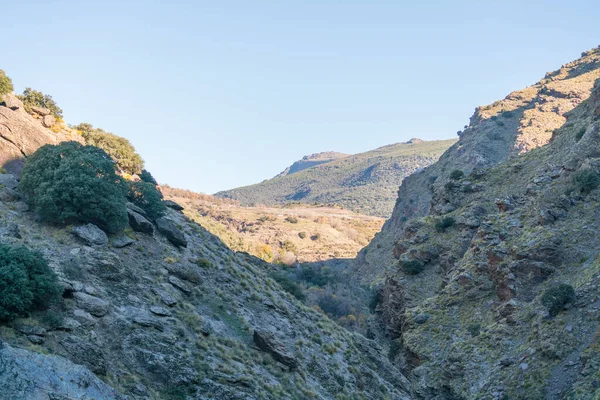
(70, 182)
(146, 196)
(120, 149)
(146, 176)
(26, 282)
(6, 85)
(33, 98)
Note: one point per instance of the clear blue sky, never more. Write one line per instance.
(218, 94)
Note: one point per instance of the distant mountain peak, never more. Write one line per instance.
(311, 161)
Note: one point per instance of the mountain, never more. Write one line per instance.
(366, 183)
(488, 269)
(311, 161)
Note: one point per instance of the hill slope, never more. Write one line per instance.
(312, 161)
(469, 266)
(366, 183)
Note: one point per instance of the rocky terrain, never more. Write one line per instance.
(312, 161)
(366, 183)
(472, 263)
(286, 234)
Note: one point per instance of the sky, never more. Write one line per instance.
(220, 94)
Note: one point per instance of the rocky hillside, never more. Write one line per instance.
(285, 234)
(366, 183)
(161, 310)
(489, 267)
(311, 161)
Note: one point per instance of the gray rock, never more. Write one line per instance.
(13, 231)
(166, 297)
(9, 195)
(179, 284)
(9, 181)
(85, 318)
(83, 351)
(122, 241)
(139, 223)
(40, 111)
(69, 324)
(92, 304)
(173, 205)
(421, 319)
(35, 339)
(161, 311)
(26, 375)
(27, 329)
(171, 232)
(267, 342)
(133, 207)
(90, 234)
(48, 121)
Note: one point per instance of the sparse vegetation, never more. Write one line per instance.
(412, 267)
(26, 282)
(456, 174)
(556, 297)
(291, 220)
(71, 182)
(302, 235)
(33, 98)
(443, 224)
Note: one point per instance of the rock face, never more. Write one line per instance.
(49, 121)
(171, 232)
(139, 223)
(267, 342)
(31, 376)
(173, 205)
(91, 235)
(94, 305)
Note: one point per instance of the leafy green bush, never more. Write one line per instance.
(586, 180)
(291, 220)
(580, 134)
(146, 196)
(456, 174)
(6, 85)
(412, 267)
(71, 182)
(26, 282)
(302, 235)
(33, 98)
(289, 286)
(555, 297)
(120, 149)
(442, 224)
(147, 177)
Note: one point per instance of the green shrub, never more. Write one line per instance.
(147, 177)
(302, 235)
(580, 134)
(71, 182)
(444, 223)
(555, 297)
(288, 245)
(292, 220)
(120, 149)
(26, 282)
(146, 196)
(412, 267)
(474, 329)
(586, 180)
(289, 286)
(203, 263)
(456, 174)
(6, 85)
(33, 98)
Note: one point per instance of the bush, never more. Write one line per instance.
(120, 149)
(456, 174)
(6, 85)
(442, 224)
(146, 196)
(412, 267)
(292, 220)
(33, 98)
(333, 305)
(302, 235)
(147, 177)
(26, 282)
(555, 297)
(586, 180)
(288, 245)
(289, 286)
(316, 236)
(70, 183)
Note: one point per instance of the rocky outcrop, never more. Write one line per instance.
(266, 341)
(171, 232)
(139, 223)
(91, 235)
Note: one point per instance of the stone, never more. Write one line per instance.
(9, 181)
(139, 223)
(179, 284)
(94, 305)
(27, 329)
(13, 231)
(421, 318)
(40, 111)
(48, 121)
(173, 205)
(83, 351)
(161, 311)
(35, 339)
(122, 241)
(133, 207)
(11, 101)
(267, 342)
(171, 232)
(91, 235)
(9, 195)
(166, 297)
(69, 324)
(83, 317)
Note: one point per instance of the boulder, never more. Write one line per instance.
(11, 101)
(179, 284)
(166, 297)
(91, 235)
(171, 232)
(49, 121)
(267, 342)
(139, 223)
(94, 305)
(171, 204)
(160, 311)
(8, 195)
(40, 111)
(122, 241)
(133, 207)
(8, 181)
